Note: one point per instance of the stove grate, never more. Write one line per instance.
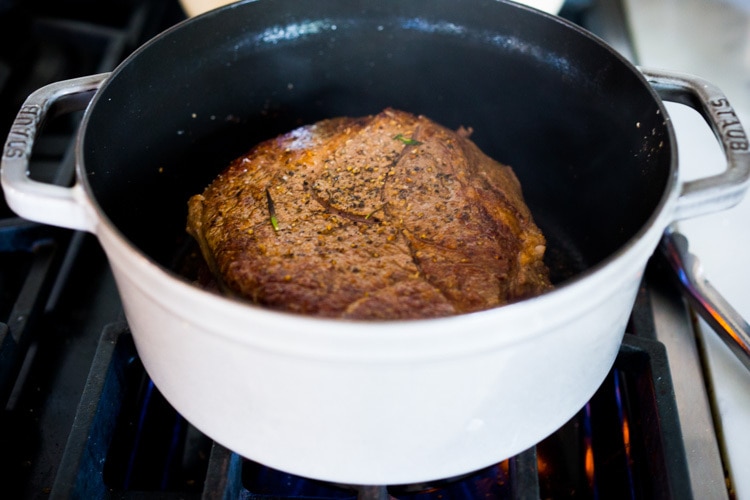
(625, 443)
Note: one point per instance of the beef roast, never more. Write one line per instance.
(389, 216)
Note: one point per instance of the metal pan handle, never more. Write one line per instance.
(38, 201)
(726, 321)
(726, 189)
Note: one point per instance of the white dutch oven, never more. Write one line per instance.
(380, 402)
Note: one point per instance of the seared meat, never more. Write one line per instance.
(389, 216)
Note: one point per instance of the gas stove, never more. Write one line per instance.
(81, 418)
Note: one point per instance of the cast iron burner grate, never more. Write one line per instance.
(126, 440)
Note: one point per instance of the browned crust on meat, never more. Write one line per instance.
(389, 216)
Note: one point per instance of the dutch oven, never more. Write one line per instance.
(397, 401)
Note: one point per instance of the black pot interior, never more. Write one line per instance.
(584, 133)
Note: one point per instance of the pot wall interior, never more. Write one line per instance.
(584, 133)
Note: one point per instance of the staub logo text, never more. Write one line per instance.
(734, 136)
(21, 131)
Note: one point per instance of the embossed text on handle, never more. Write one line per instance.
(22, 131)
(734, 135)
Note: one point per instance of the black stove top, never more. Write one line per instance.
(81, 419)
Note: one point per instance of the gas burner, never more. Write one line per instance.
(625, 442)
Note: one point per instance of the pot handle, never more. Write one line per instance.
(723, 190)
(38, 201)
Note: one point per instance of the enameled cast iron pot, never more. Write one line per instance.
(379, 402)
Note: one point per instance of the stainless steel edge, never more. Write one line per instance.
(726, 321)
(675, 330)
